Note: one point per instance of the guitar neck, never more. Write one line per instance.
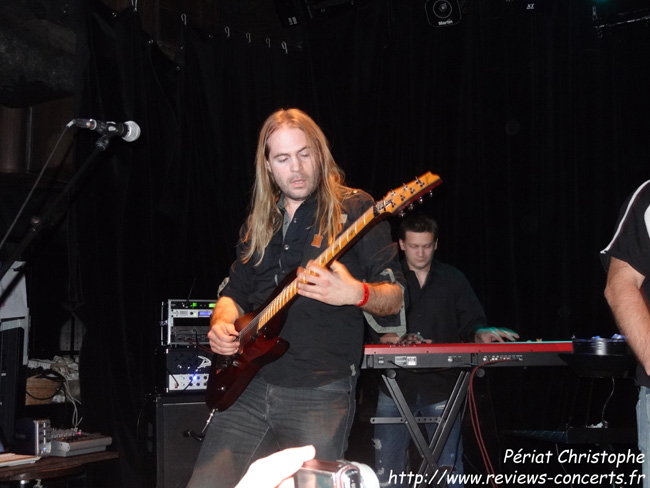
(334, 250)
(344, 240)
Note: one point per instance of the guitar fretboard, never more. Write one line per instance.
(325, 258)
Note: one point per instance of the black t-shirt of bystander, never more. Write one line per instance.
(631, 243)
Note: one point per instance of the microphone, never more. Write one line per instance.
(129, 131)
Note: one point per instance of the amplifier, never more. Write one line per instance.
(185, 322)
(176, 451)
(186, 369)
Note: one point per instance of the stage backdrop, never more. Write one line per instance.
(537, 125)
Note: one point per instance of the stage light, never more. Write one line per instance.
(442, 13)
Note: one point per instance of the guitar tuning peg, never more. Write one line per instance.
(401, 214)
(421, 200)
(411, 207)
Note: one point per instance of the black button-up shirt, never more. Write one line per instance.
(326, 342)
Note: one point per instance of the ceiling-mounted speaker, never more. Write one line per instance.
(441, 13)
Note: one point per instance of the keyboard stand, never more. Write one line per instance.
(430, 452)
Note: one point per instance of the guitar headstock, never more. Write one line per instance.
(398, 199)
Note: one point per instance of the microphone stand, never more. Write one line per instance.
(38, 224)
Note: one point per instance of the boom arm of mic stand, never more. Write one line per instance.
(38, 224)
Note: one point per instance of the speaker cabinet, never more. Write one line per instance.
(176, 450)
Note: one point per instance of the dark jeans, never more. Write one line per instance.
(268, 418)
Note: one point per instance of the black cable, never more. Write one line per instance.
(611, 394)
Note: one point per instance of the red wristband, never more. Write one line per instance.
(366, 295)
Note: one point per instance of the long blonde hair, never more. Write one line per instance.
(265, 218)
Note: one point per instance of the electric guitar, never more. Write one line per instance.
(259, 341)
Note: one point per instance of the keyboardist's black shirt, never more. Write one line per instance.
(445, 310)
(631, 243)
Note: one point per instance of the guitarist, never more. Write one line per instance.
(299, 205)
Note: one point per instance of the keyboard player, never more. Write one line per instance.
(442, 308)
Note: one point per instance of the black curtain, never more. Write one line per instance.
(534, 121)
(119, 230)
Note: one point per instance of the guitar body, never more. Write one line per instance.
(226, 384)
(230, 375)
